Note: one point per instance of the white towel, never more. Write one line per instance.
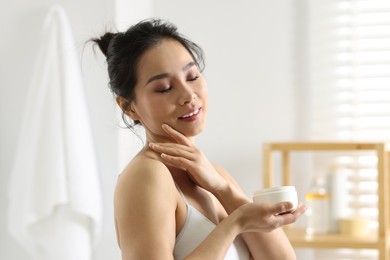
(55, 207)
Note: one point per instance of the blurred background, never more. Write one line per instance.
(281, 70)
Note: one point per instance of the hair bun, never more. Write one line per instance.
(104, 41)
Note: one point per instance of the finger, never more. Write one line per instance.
(173, 150)
(172, 146)
(291, 216)
(168, 163)
(300, 210)
(281, 207)
(176, 135)
(285, 219)
(178, 162)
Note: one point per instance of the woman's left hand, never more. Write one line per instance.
(186, 156)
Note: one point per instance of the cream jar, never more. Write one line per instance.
(355, 227)
(277, 194)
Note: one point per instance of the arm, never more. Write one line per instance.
(217, 243)
(260, 223)
(260, 228)
(144, 219)
(146, 222)
(263, 245)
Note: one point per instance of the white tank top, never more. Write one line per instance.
(195, 229)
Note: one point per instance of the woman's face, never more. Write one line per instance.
(170, 90)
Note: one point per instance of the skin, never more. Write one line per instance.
(149, 210)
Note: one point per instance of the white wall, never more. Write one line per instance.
(125, 16)
(249, 68)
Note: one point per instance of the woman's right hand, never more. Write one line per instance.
(183, 154)
(254, 217)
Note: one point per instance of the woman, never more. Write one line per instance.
(170, 201)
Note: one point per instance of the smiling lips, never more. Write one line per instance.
(191, 115)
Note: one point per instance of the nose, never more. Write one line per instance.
(187, 95)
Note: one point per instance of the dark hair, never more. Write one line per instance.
(124, 49)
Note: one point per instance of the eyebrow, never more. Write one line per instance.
(165, 75)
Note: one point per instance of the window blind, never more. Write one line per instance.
(348, 50)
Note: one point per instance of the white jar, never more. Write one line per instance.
(277, 194)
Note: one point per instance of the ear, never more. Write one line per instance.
(127, 107)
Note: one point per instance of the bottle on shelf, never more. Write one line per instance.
(317, 200)
(337, 184)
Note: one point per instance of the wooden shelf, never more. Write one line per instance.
(299, 238)
(323, 146)
(380, 240)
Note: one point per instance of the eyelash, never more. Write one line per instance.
(164, 90)
(194, 78)
(170, 87)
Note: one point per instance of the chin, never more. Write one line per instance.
(193, 132)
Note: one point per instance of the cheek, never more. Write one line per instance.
(152, 123)
(204, 94)
(152, 116)
(149, 113)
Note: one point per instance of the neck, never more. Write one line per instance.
(153, 138)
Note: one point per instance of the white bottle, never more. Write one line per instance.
(317, 201)
(338, 191)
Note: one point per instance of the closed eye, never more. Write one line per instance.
(193, 78)
(164, 90)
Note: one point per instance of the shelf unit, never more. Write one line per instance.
(380, 240)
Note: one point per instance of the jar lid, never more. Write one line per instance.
(274, 190)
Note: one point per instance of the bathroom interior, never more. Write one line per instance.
(299, 94)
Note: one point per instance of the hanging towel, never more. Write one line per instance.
(55, 207)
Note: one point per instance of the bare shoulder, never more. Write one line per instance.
(145, 201)
(144, 169)
(144, 176)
